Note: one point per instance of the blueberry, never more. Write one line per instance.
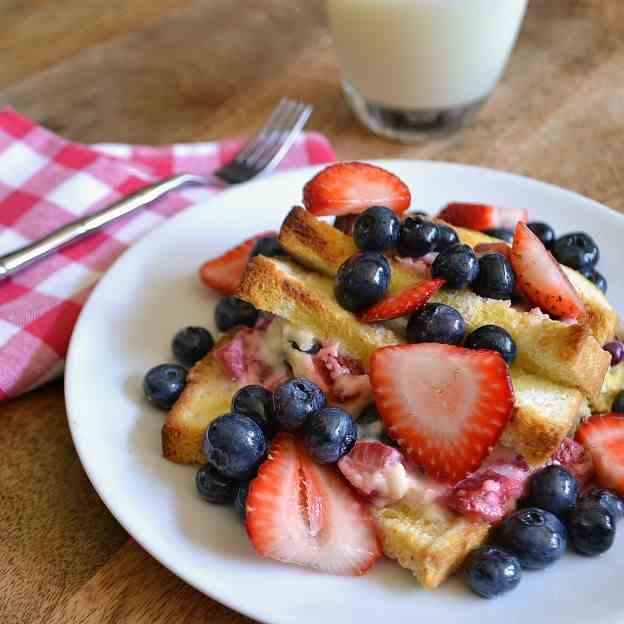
(191, 344)
(490, 571)
(456, 264)
(214, 487)
(597, 278)
(268, 246)
(163, 384)
(535, 536)
(362, 280)
(591, 528)
(554, 489)
(418, 237)
(447, 236)
(369, 423)
(577, 250)
(544, 232)
(616, 349)
(377, 229)
(494, 338)
(608, 499)
(295, 401)
(232, 311)
(618, 403)
(312, 349)
(329, 434)
(240, 500)
(501, 233)
(235, 445)
(496, 279)
(257, 403)
(436, 322)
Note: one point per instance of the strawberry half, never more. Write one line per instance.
(304, 513)
(603, 437)
(540, 277)
(482, 216)
(402, 303)
(445, 405)
(352, 187)
(225, 272)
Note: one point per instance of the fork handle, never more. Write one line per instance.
(22, 257)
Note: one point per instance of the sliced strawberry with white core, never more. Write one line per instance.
(445, 405)
(540, 278)
(225, 272)
(304, 513)
(482, 216)
(402, 303)
(352, 187)
(603, 437)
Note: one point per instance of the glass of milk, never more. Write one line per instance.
(412, 68)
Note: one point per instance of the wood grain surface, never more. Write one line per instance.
(155, 71)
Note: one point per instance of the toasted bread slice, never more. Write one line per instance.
(208, 394)
(432, 545)
(613, 385)
(568, 354)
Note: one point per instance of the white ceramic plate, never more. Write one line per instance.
(126, 327)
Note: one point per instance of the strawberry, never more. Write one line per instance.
(445, 405)
(225, 272)
(352, 187)
(482, 216)
(305, 513)
(603, 437)
(540, 277)
(402, 303)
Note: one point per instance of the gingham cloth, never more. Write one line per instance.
(46, 181)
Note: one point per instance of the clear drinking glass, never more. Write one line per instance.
(412, 68)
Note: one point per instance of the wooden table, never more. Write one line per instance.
(155, 71)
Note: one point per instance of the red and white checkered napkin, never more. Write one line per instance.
(46, 181)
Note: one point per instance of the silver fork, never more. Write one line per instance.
(260, 155)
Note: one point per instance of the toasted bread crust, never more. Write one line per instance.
(568, 354)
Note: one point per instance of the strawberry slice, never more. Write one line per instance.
(225, 272)
(540, 277)
(482, 216)
(402, 303)
(304, 513)
(445, 405)
(603, 437)
(352, 187)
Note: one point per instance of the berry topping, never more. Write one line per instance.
(457, 265)
(240, 500)
(575, 459)
(447, 236)
(577, 250)
(591, 528)
(404, 302)
(235, 446)
(305, 513)
(350, 187)
(493, 338)
(376, 229)
(163, 384)
(214, 487)
(256, 402)
(540, 277)
(485, 248)
(607, 499)
(482, 216)
(535, 536)
(191, 344)
(616, 349)
(346, 223)
(554, 489)
(268, 246)
(618, 403)
(490, 571)
(603, 437)
(595, 277)
(295, 401)
(232, 311)
(544, 232)
(502, 233)
(329, 434)
(496, 279)
(436, 322)
(447, 406)
(418, 237)
(362, 281)
(225, 272)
